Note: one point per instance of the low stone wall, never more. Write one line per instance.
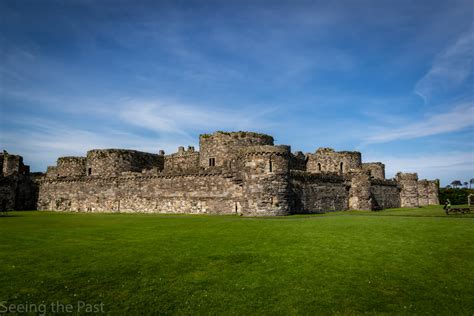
(192, 193)
(314, 193)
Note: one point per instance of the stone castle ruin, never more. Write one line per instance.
(241, 173)
(18, 190)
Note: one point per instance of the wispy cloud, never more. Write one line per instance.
(45, 140)
(171, 125)
(450, 68)
(178, 118)
(152, 76)
(460, 117)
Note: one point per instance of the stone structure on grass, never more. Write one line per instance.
(18, 189)
(241, 173)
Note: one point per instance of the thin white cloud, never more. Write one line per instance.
(450, 68)
(172, 124)
(177, 118)
(43, 141)
(460, 117)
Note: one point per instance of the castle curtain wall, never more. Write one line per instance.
(313, 193)
(195, 194)
(384, 194)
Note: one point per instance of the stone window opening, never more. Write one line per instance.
(319, 166)
(89, 171)
(212, 162)
(341, 167)
(270, 166)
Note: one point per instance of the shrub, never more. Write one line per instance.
(455, 195)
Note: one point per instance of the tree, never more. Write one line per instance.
(448, 187)
(456, 183)
(465, 184)
(471, 182)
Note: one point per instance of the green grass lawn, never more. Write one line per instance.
(394, 261)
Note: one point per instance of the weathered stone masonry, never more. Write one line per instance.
(232, 173)
(18, 190)
(204, 192)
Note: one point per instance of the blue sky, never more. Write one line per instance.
(392, 79)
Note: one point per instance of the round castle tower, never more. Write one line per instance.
(265, 171)
(112, 162)
(221, 149)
